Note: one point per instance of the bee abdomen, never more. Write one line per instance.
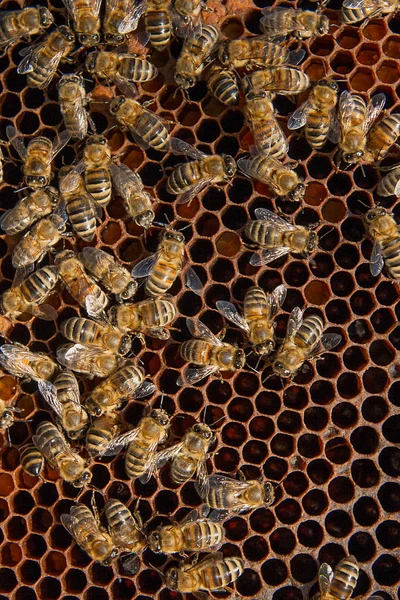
(98, 437)
(82, 216)
(316, 129)
(195, 351)
(182, 469)
(310, 331)
(204, 534)
(221, 573)
(261, 233)
(158, 26)
(98, 184)
(391, 255)
(116, 513)
(79, 329)
(157, 314)
(135, 460)
(383, 135)
(223, 85)
(161, 278)
(39, 284)
(183, 177)
(153, 131)
(31, 460)
(255, 302)
(137, 69)
(344, 580)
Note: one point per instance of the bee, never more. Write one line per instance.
(232, 496)
(267, 133)
(259, 310)
(121, 69)
(389, 185)
(6, 415)
(89, 360)
(79, 204)
(37, 156)
(304, 340)
(355, 119)
(80, 285)
(86, 20)
(29, 209)
(124, 527)
(188, 17)
(385, 234)
(282, 180)
(64, 398)
(107, 271)
(97, 174)
(207, 350)
(277, 237)
(91, 333)
(58, 453)
(282, 80)
(381, 136)
(25, 296)
(158, 23)
(41, 62)
(223, 84)
(353, 11)
(101, 433)
(195, 533)
(252, 52)
(317, 114)
(127, 381)
(301, 24)
(73, 102)
(121, 17)
(31, 460)
(137, 202)
(194, 56)
(339, 583)
(148, 317)
(21, 362)
(164, 266)
(17, 24)
(213, 572)
(85, 528)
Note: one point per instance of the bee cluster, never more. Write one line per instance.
(129, 412)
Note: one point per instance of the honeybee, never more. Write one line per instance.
(353, 11)
(64, 398)
(91, 333)
(6, 415)
(267, 133)
(80, 285)
(58, 453)
(259, 310)
(389, 185)
(213, 572)
(252, 52)
(194, 56)
(85, 16)
(164, 266)
(25, 296)
(194, 533)
(232, 496)
(121, 17)
(301, 24)
(85, 528)
(148, 317)
(21, 362)
(124, 527)
(158, 23)
(304, 340)
(96, 163)
(339, 583)
(188, 17)
(41, 62)
(113, 276)
(37, 156)
(282, 180)
(108, 396)
(31, 460)
(317, 114)
(29, 209)
(137, 202)
(121, 69)
(223, 84)
(89, 360)
(282, 80)
(73, 103)
(79, 204)
(100, 434)
(277, 237)
(17, 24)
(381, 136)
(208, 350)
(385, 234)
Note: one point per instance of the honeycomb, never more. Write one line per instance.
(330, 436)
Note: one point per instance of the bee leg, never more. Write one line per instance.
(241, 475)
(222, 333)
(91, 124)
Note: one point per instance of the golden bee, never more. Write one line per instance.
(188, 17)
(64, 398)
(91, 333)
(383, 230)
(304, 340)
(277, 237)
(41, 62)
(317, 115)
(89, 360)
(282, 80)
(127, 381)
(389, 185)
(261, 118)
(158, 23)
(281, 21)
(73, 104)
(37, 156)
(107, 271)
(164, 266)
(17, 24)
(353, 11)
(58, 453)
(208, 352)
(88, 533)
(253, 52)
(31, 460)
(27, 295)
(79, 205)
(194, 56)
(97, 174)
(124, 527)
(233, 496)
(382, 136)
(29, 209)
(259, 309)
(223, 84)
(101, 433)
(341, 582)
(282, 180)
(121, 17)
(86, 20)
(137, 202)
(122, 69)
(148, 317)
(20, 361)
(195, 533)
(7, 415)
(213, 572)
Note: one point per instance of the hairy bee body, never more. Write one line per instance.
(37, 241)
(105, 269)
(214, 169)
(97, 175)
(257, 312)
(30, 293)
(223, 84)
(112, 65)
(147, 129)
(73, 102)
(157, 21)
(119, 20)
(299, 240)
(212, 573)
(123, 527)
(100, 433)
(195, 52)
(91, 333)
(201, 352)
(352, 12)
(85, 15)
(381, 136)
(31, 459)
(169, 261)
(193, 534)
(388, 185)
(15, 24)
(89, 360)
(233, 496)
(29, 209)
(267, 134)
(37, 164)
(283, 80)
(192, 456)
(339, 584)
(301, 24)
(73, 417)
(141, 452)
(282, 180)
(78, 204)
(147, 316)
(385, 233)
(251, 52)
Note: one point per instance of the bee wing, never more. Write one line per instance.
(197, 514)
(69, 524)
(170, 453)
(28, 64)
(69, 354)
(131, 20)
(128, 88)
(124, 179)
(246, 165)
(7, 219)
(374, 109)
(62, 141)
(118, 443)
(145, 389)
(192, 280)
(263, 214)
(201, 332)
(294, 323)
(377, 261)
(263, 140)
(144, 267)
(334, 128)
(178, 146)
(346, 109)
(325, 576)
(18, 357)
(209, 559)
(191, 375)
(192, 192)
(29, 60)
(268, 24)
(94, 308)
(16, 141)
(22, 273)
(49, 393)
(361, 4)
(230, 312)
(71, 6)
(268, 255)
(299, 117)
(157, 332)
(202, 476)
(330, 340)
(44, 312)
(276, 299)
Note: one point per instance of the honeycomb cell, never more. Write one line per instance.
(368, 54)
(389, 461)
(303, 568)
(274, 572)
(388, 534)
(282, 541)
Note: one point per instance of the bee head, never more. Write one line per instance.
(154, 541)
(160, 415)
(67, 33)
(91, 61)
(171, 580)
(264, 348)
(297, 193)
(96, 139)
(116, 103)
(46, 18)
(353, 157)
(203, 430)
(114, 40)
(145, 219)
(89, 39)
(128, 292)
(36, 181)
(184, 82)
(240, 359)
(230, 165)
(125, 345)
(6, 419)
(374, 213)
(279, 369)
(312, 242)
(323, 26)
(269, 493)
(173, 236)
(223, 55)
(84, 479)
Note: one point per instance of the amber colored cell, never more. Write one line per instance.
(388, 71)
(228, 244)
(317, 292)
(315, 70)
(348, 38)
(368, 54)
(7, 387)
(6, 484)
(374, 31)
(333, 210)
(362, 80)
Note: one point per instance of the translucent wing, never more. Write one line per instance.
(69, 524)
(330, 340)
(7, 220)
(16, 141)
(210, 559)
(296, 56)
(128, 88)
(230, 312)
(157, 332)
(294, 323)
(277, 221)
(397, 187)
(299, 117)
(131, 20)
(347, 107)
(201, 332)
(361, 4)
(62, 141)
(145, 389)
(268, 21)
(192, 192)
(191, 375)
(29, 62)
(120, 442)
(124, 179)
(374, 108)
(262, 140)
(49, 393)
(276, 299)
(247, 166)
(269, 255)
(94, 307)
(377, 261)
(168, 454)
(44, 312)
(192, 280)
(144, 267)
(71, 7)
(334, 128)
(325, 576)
(94, 258)
(202, 476)
(178, 146)
(19, 357)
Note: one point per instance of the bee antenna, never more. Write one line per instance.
(251, 368)
(157, 571)
(162, 400)
(258, 362)
(217, 421)
(326, 233)
(21, 189)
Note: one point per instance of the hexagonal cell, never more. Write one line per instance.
(388, 71)
(362, 80)
(343, 63)
(368, 54)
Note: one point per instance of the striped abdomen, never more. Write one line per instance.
(287, 80)
(98, 184)
(263, 234)
(136, 69)
(41, 73)
(383, 135)
(82, 215)
(388, 184)
(219, 573)
(156, 313)
(119, 379)
(82, 331)
(162, 276)
(196, 351)
(152, 130)
(309, 332)
(201, 535)
(101, 432)
(50, 440)
(255, 304)
(202, 45)
(10, 27)
(31, 460)
(391, 255)
(38, 285)
(344, 580)
(183, 467)
(269, 137)
(137, 456)
(222, 83)
(317, 128)
(158, 26)
(184, 176)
